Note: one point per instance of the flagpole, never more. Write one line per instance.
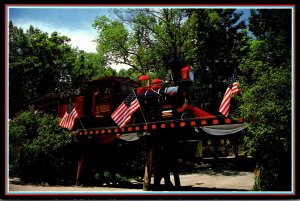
(81, 123)
(78, 115)
(140, 106)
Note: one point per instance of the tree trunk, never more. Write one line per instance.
(148, 166)
(80, 167)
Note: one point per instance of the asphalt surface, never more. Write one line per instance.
(243, 181)
(226, 175)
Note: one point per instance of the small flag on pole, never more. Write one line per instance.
(233, 88)
(69, 118)
(122, 114)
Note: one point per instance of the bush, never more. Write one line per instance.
(38, 148)
(267, 108)
(273, 164)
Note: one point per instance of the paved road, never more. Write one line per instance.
(226, 176)
(224, 181)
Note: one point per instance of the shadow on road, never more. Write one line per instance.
(222, 166)
(196, 188)
(182, 188)
(138, 186)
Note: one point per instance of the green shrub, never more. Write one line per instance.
(273, 164)
(38, 148)
(267, 108)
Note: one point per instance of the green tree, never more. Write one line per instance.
(88, 66)
(41, 64)
(37, 64)
(220, 41)
(142, 38)
(212, 41)
(266, 99)
(113, 41)
(38, 148)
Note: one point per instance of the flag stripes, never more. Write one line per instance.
(122, 114)
(233, 88)
(69, 118)
(224, 107)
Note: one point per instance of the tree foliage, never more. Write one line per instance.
(143, 38)
(41, 64)
(211, 40)
(37, 150)
(36, 64)
(220, 41)
(266, 100)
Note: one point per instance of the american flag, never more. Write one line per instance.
(233, 88)
(122, 114)
(68, 119)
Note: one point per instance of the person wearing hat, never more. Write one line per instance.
(144, 84)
